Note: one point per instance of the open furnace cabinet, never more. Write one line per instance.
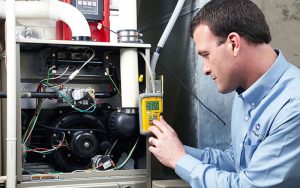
(66, 135)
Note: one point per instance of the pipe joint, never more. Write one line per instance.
(53, 10)
(129, 36)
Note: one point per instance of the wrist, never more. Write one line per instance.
(177, 159)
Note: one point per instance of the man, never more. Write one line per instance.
(233, 38)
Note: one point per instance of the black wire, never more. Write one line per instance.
(173, 75)
(142, 30)
(188, 90)
(62, 129)
(112, 147)
(109, 29)
(114, 75)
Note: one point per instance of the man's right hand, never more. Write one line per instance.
(165, 144)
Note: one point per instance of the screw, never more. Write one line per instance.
(86, 145)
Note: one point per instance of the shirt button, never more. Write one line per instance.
(241, 145)
(246, 118)
(253, 104)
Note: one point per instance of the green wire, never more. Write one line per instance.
(72, 105)
(30, 129)
(114, 84)
(32, 122)
(128, 157)
(48, 76)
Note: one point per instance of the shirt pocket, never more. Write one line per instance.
(249, 150)
(250, 145)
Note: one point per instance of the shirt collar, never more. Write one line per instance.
(255, 93)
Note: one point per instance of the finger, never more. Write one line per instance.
(163, 125)
(153, 150)
(156, 131)
(162, 120)
(151, 141)
(160, 125)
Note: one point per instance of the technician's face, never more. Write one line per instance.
(217, 59)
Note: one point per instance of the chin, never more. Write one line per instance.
(224, 90)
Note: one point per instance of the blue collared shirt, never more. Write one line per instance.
(265, 136)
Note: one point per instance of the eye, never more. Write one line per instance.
(205, 56)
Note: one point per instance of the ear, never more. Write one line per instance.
(234, 43)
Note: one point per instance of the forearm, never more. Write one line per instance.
(220, 159)
(199, 174)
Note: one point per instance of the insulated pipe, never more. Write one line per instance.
(11, 139)
(129, 56)
(53, 10)
(166, 34)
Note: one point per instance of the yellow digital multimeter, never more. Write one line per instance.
(150, 108)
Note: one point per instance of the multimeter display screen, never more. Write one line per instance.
(152, 105)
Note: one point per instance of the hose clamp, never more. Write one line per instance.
(129, 36)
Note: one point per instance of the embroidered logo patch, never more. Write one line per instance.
(256, 130)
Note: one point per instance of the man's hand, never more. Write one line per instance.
(165, 144)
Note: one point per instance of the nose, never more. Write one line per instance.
(206, 68)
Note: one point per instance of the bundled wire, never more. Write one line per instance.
(89, 109)
(76, 72)
(55, 78)
(72, 76)
(27, 135)
(46, 150)
(46, 83)
(32, 122)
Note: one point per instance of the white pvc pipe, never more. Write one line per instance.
(129, 77)
(53, 10)
(127, 14)
(166, 33)
(11, 94)
(2, 9)
(129, 56)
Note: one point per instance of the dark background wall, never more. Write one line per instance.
(194, 124)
